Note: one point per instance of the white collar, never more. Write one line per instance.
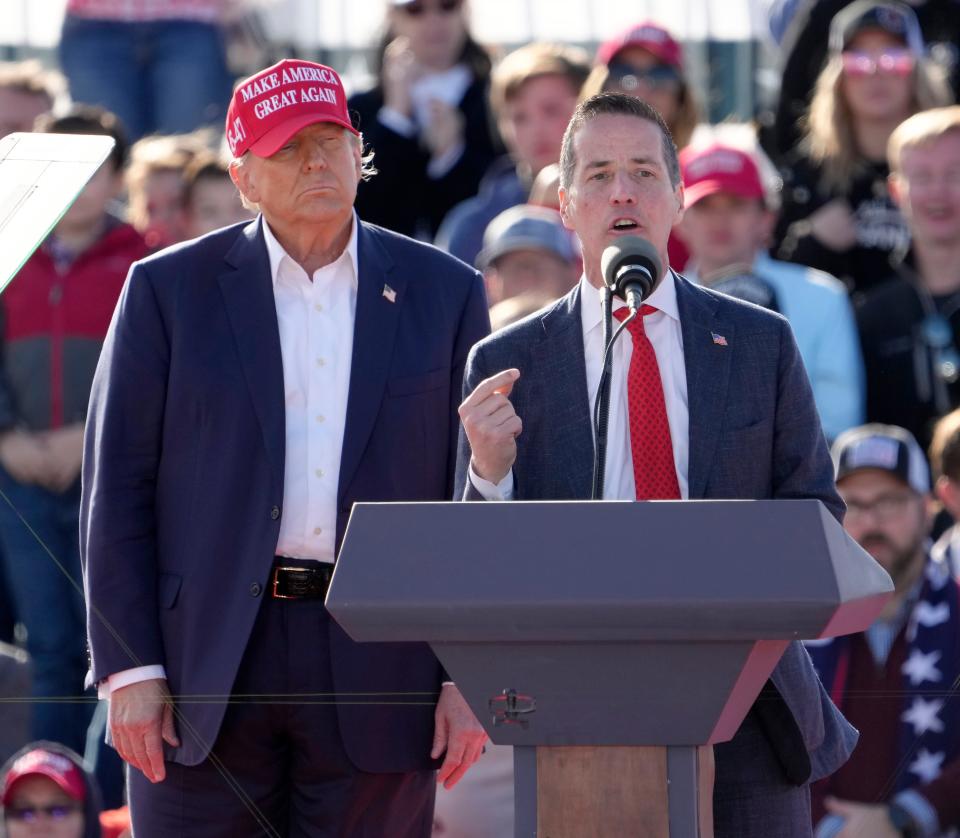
(277, 254)
(663, 298)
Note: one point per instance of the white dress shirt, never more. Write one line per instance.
(663, 330)
(316, 318)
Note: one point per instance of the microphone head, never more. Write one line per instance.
(630, 252)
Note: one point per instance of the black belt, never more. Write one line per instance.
(289, 582)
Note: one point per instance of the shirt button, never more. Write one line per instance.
(317, 530)
(321, 417)
(274, 512)
(255, 589)
(318, 307)
(321, 362)
(319, 472)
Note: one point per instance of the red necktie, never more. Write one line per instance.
(653, 469)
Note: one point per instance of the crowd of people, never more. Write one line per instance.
(846, 221)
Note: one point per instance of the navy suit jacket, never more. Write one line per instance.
(184, 461)
(754, 434)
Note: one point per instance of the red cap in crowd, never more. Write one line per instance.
(46, 764)
(719, 168)
(268, 108)
(648, 35)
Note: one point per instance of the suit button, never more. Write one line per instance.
(255, 589)
(274, 512)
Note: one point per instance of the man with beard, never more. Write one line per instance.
(890, 681)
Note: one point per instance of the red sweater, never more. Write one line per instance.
(53, 329)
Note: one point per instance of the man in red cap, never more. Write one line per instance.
(255, 384)
(726, 225)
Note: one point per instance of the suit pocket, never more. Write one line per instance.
(412, 384)
(168, 589)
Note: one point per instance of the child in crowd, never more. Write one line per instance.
(55, 314)
(211, 200)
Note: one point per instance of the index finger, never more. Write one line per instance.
(502, 383)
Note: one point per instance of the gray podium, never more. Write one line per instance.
(606, 641)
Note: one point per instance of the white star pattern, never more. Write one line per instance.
(931, 615)
(937, 574)
(927, 615)
(927, 765)
(923, 715)
(921, 667)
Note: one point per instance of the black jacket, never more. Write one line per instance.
(402, 196)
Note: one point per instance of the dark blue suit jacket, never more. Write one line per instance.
(184, 460)
(754, 434)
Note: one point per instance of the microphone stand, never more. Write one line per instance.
(601, 413)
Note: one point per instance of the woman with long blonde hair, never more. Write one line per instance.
(837, 215)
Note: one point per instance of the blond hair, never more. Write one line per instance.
(31, 79)
(534, 61)
(688, 109)
(920, 129)
(829, 138)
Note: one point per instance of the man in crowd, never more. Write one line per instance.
(533, 93)
(726, 225)
(55, 312)
(527, 252)
(904, 776)
(944, 458)
(909, 326)
(709, 399)
(254, 385)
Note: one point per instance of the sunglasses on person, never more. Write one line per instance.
(892, 62)
(418, 8)
(629, 78)
(30, 814)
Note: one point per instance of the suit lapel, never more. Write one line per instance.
(561, 352)
(707, 365)
(247, 290)
(373, 336)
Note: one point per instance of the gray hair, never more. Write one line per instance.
(615, 103)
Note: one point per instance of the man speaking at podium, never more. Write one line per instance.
(708, 399)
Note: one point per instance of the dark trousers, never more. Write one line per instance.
(751, 796)
(278, 767)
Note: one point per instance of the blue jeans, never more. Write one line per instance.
(48, 600)
(163, 77)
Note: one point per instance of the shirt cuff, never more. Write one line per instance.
(921, 810)
(440, 166)
(829, 827)
(490, 491)
(397, 122)
(128, 677)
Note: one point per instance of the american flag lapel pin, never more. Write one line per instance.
(719, 340)
(389, 293)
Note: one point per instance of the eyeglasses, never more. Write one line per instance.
(418, 8)
(29, 814)
(658, 77)
(893, 62)
(882, 508)
(937, 333)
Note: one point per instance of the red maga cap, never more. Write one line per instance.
(48, 764)
(268, 108)
(719, 168)
(650, 36)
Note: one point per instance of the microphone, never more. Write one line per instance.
(631, 267)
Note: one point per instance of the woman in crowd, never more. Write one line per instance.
(837, 215)
(647, 62)
(427, 119)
